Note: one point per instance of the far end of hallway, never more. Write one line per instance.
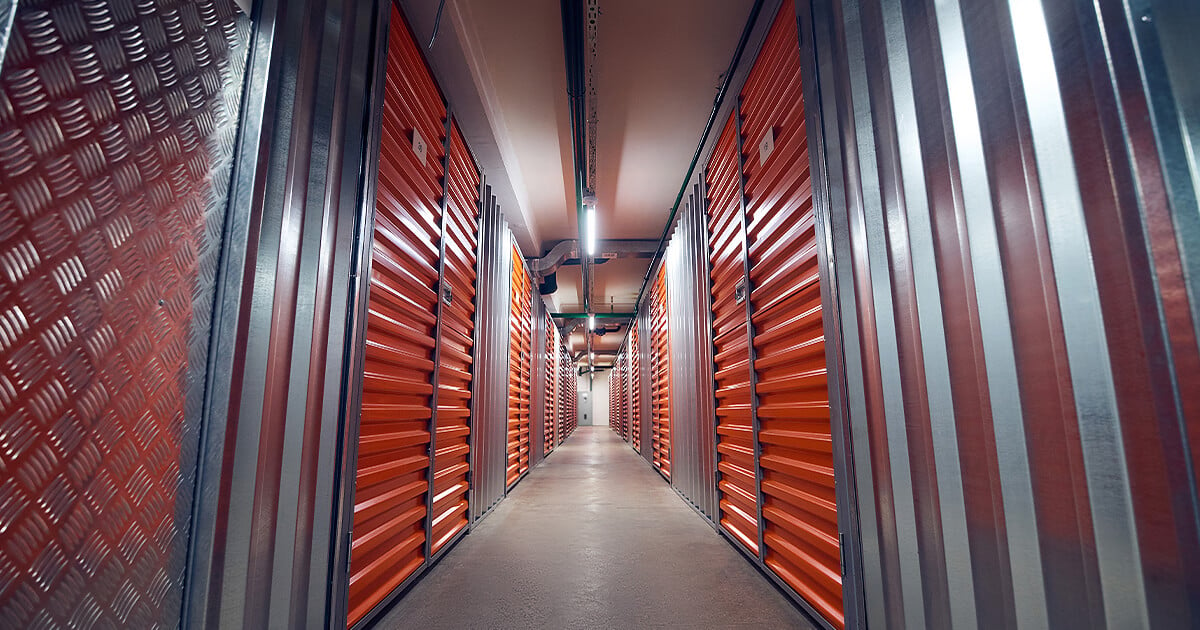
(593, 538)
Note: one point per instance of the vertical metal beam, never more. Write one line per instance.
(478, 338)
(437, 337)
(360, 288)
(754, 425)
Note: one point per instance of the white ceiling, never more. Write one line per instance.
(657, 68)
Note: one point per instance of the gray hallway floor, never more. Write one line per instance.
(593, 538)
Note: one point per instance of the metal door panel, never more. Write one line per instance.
(520, 368)
(456, 351)
(392, 482)
(738, 504)
(800, 532)
(661, 375)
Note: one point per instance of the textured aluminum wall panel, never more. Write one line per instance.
(799, 510)
(118, 129)
(1010, 222)
(396, 419)
(738, 476)
(456, 351)
(693, 471)
(520, 367)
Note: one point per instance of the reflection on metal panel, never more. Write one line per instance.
(1010, 235)
(456, 347)
(490, 416)
(117, 137)
(800, 525)
(660, 363)
(692, 427)
(738, 507)
(394, 431)
(520, 365)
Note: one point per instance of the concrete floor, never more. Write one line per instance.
(593, 538)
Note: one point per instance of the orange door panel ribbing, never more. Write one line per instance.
(661, 375)
(452, 459)
(738, 505)
(520, 368)
(635, 393)
(799, 510)
(392, 478)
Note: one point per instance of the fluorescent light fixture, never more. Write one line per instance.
(591, 230)
(591, 321)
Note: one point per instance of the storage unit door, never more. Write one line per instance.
(393, 450)
(799, 511)
(457, 351)
(519, 368)
(731, 348)
(661, 366)
(635, 398)
(551, 392)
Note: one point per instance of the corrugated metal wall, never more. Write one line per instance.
(490, 414)
(1012, 223)
(693, 456)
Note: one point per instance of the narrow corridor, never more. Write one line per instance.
(593, 539)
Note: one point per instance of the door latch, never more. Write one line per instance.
(739, 290)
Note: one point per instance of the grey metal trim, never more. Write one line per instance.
(708, 353)
(478, 339)
(749, 301)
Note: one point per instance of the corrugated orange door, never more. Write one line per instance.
(551, 396)
(393, 451)
(799, 511)
(731, 347)
(519, 364)
(457, 351)
(635, 397)
(566, 365)
(661, 370)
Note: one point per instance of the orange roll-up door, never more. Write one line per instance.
(457, 349)
(731, 348)
(799, 510)
(566, 366)
(393, 451)
(519, 367)
(551, 380)
(661, 371)
(635, 391)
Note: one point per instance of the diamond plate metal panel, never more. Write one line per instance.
(117, 127)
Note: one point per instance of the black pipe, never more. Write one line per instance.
(712, 118)
(573, 29)
(437, 23)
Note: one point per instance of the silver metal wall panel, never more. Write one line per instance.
(489, 424)
(537, 414)
(1010, 228)
(692, 417)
